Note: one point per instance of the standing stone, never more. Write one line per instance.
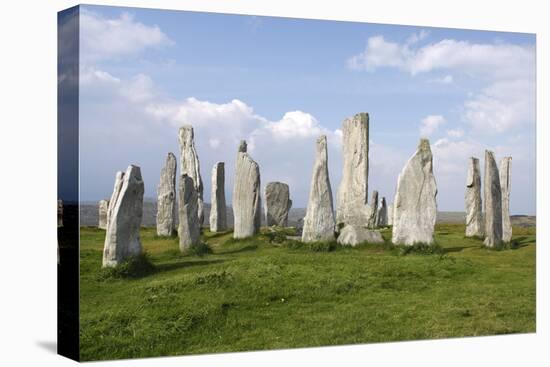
(277, 204)
(103, 207)
(382, 215)
(218, 215)
(122, 238)
(189, 165)
(59, 213)
(415, 206)
(351, 201)
(189, 226)
(474, 216)
(372, 210)
(166, 198)
(492, 202)
(505, 187)
(319, 221)
(390, 215)
(246, 195)
(353, 235)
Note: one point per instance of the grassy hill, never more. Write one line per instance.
(269, 293)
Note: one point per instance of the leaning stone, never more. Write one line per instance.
(415, 206)
(166, 199)
(122, 239)
(277, 204)
(474, 215)
(189, 165)
(354, 235)
(189, 227)
(60, 213)
(246, 195)
(319, 221)
(505, 187)
(218, 215)
(381, 216)
(372, 210)
(492, 202)
(103, 207)
(351, 200)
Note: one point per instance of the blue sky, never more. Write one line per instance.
(280, 82)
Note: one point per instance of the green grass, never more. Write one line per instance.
(268, 292)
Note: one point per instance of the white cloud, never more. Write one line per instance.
(430, 124)
(105, 38)
(447, 79)
(502, 106)
(479, 60)
(455, 133)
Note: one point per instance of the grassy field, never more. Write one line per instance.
(268, 293)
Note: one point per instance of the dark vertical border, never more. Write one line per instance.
(67, 183)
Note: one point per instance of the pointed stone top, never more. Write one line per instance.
(134, 171)
(171, 155)
(362, 116)
(242, 146)
(186, 134)
(474, 159)
(219, 164)
(424, 145)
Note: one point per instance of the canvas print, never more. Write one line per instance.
(238, 183)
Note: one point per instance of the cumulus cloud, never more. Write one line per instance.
(447, 79)
(479, 60)
(455, 133)
(129, 121)
(106, 38)
(430, 124)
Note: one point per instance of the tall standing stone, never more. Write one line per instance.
(505, 187)
(103, 207)
(218, 215)
(246, 195)
(382, 215)
(277, 204)
(189, 165)
(189, 226)
(492, 202)
(166, 199)
(319, 221)
(372, 211)
(415, 206)
(390, 215)
(474, 215)
(122, 239)
(351, 201)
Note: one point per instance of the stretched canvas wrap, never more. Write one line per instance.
(239, 183)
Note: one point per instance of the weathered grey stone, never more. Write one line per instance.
(189, 165)
(122, 239)
(246, 195)
(242, 147)
(218, 215)
(277, 204)
(103, 208)
(474, 215)
(60, 213)
(415, 206)
(382, 215)
(166, 199)
(505, 187)
(372, 211)
(354, 235)
(189, 227)
(319, 221)
(390, 215)
(492, 202)
(351, 200)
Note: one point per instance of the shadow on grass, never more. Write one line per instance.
(185, 264)
(213, 235)
(239, 250)
(454, 249)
